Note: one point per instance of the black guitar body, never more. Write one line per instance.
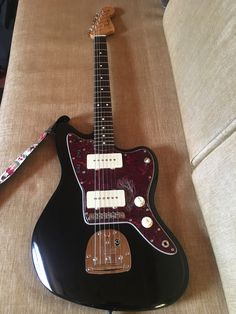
(59, 244)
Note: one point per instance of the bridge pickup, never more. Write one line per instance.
(105, 199)
(104, 161)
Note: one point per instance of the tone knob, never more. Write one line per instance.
(139, 201)
(147, 222)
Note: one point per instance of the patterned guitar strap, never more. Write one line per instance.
(22, 157)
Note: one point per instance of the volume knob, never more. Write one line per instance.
(139, 201)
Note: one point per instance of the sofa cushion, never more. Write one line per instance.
(202, 45)
(215, 184)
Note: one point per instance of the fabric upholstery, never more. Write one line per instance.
(215, 183)
(50, 74)
(201, 39)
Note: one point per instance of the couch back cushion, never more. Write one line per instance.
(202, 43)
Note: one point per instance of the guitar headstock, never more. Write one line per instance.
(102, 24)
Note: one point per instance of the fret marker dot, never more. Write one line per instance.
(107, 105)
(103, 135)
(101, 77)
(103, 127)
(104, 143)
(98, 105)
(102, 119)
(100, 65)
(101, 88)
(100, 52)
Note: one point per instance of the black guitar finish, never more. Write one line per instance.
(59, 244)
(66, 263)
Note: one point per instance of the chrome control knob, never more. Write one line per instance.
(147, 222)
(139, 201)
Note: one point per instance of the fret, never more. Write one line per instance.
(102, 145)
(102, 84)
(100, 62)
(103, 119)
(97, 120)
(99, 131)
(100, 79)
(108, 136)
(103, 131)
(103, 123)
(102, 109)
(106, 128)
(105, 76)
(104, 97)
(100, 49)
(103, 102)
(101, 87)
(101, 66)
(103, 141)
(106, 113)
(106, 139)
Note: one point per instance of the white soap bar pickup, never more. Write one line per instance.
(104, 161)
(105, 199)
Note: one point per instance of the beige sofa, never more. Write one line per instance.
(51, 73)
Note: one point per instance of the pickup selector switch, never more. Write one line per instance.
(139, 201)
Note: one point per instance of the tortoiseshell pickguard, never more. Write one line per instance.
(135, 178)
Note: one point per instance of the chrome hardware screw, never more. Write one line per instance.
(147, 160)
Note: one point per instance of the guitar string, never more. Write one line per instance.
(95, 151)
(105, 170)
(106, 150)
(99, 171)
(109, 171)
(101, 140)
(97, 123)
(101, 178)
(114, 210)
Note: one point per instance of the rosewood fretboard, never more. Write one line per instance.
(103, 124)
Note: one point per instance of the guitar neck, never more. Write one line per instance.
(103, 123)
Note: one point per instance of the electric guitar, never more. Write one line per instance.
(100, 241)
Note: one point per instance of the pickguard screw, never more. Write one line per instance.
(147, 160)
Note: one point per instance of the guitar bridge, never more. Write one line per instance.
(107, 252)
